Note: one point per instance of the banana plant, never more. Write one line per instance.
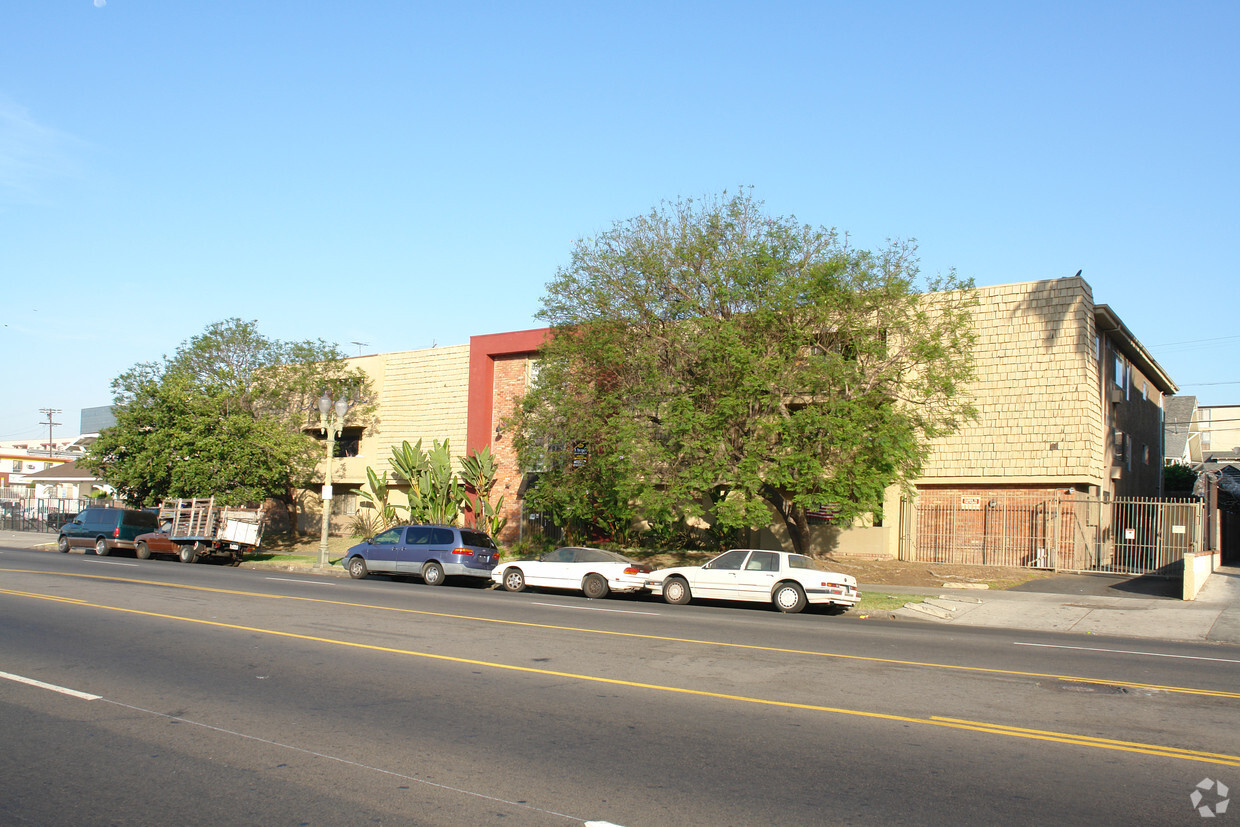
(376, 492)
(435, 495)
(479, 470)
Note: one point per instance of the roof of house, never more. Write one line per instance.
(64, 472)
(1177, 424)
(1107, 322)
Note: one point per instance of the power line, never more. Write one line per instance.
(1198, 341)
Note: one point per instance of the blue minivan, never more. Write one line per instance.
(433, 552)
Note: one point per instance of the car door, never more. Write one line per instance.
(718, 577)
(442, 542)
(381, 550)
(553, 568)
(415, 550)
(77, 530)
(756, 579)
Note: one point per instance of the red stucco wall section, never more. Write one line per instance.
(483, 351)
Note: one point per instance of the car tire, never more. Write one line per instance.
(141, 551)
(357, 568)
(676, 591)
(187, 553)
(432, 574)
(62, 544)
(788, 597)
(595, 586)
(514, 579)
(101, 547)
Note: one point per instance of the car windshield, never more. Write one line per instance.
(388, 538)
(598, 555)
(800, 561)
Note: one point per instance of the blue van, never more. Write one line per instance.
(433, 552)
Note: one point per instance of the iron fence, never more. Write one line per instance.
(43, 514)
(1063, 531)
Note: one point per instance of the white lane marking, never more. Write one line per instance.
(303, 582)
(115, 563)
(596, 609)
(1126, 652)
(41, 685)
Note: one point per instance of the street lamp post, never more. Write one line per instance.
(331, 426)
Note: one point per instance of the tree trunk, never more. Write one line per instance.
(795, 521)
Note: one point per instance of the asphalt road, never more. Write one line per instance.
(212, 694)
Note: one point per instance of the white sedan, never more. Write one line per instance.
(594, 571)
(790, 581)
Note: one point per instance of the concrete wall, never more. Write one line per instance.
(1198, 566)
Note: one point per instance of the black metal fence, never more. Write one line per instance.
(44, 514)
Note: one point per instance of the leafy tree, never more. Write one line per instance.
(718, 363)
(225, 416)
(1179, 478)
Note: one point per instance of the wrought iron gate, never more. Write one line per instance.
(1050, 530)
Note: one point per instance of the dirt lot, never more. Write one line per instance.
(896, 573)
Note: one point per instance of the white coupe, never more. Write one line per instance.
(790, 581)
(593, 571)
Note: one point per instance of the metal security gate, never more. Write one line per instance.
(43, 514)
(1063, 531)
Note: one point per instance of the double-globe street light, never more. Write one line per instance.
(331, 426)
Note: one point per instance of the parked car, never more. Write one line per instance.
(155, 542)
(107, 529)
(433, 552)
(790, 581)
(593, 571)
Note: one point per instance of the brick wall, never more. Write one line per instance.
(510, 380)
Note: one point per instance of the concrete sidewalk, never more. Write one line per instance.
(1213, 617)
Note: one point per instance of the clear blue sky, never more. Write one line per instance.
(405, 174)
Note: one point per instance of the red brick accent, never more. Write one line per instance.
(498, 372)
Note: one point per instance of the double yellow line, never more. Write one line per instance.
(1221, 759)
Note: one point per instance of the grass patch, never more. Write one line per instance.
(885, 601)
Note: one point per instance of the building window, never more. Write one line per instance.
(1145, 454)
(17, 466)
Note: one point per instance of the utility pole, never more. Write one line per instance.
(50, 412)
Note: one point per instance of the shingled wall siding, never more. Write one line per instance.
(1036, 391)
(424, 395)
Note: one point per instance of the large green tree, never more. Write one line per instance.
(226, 415)
(707, 360)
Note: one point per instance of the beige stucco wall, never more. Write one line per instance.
(417, 394)
(1036, 392)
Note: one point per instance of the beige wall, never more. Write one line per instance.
(1222, 425)
(417, 394)
(1036, 392)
